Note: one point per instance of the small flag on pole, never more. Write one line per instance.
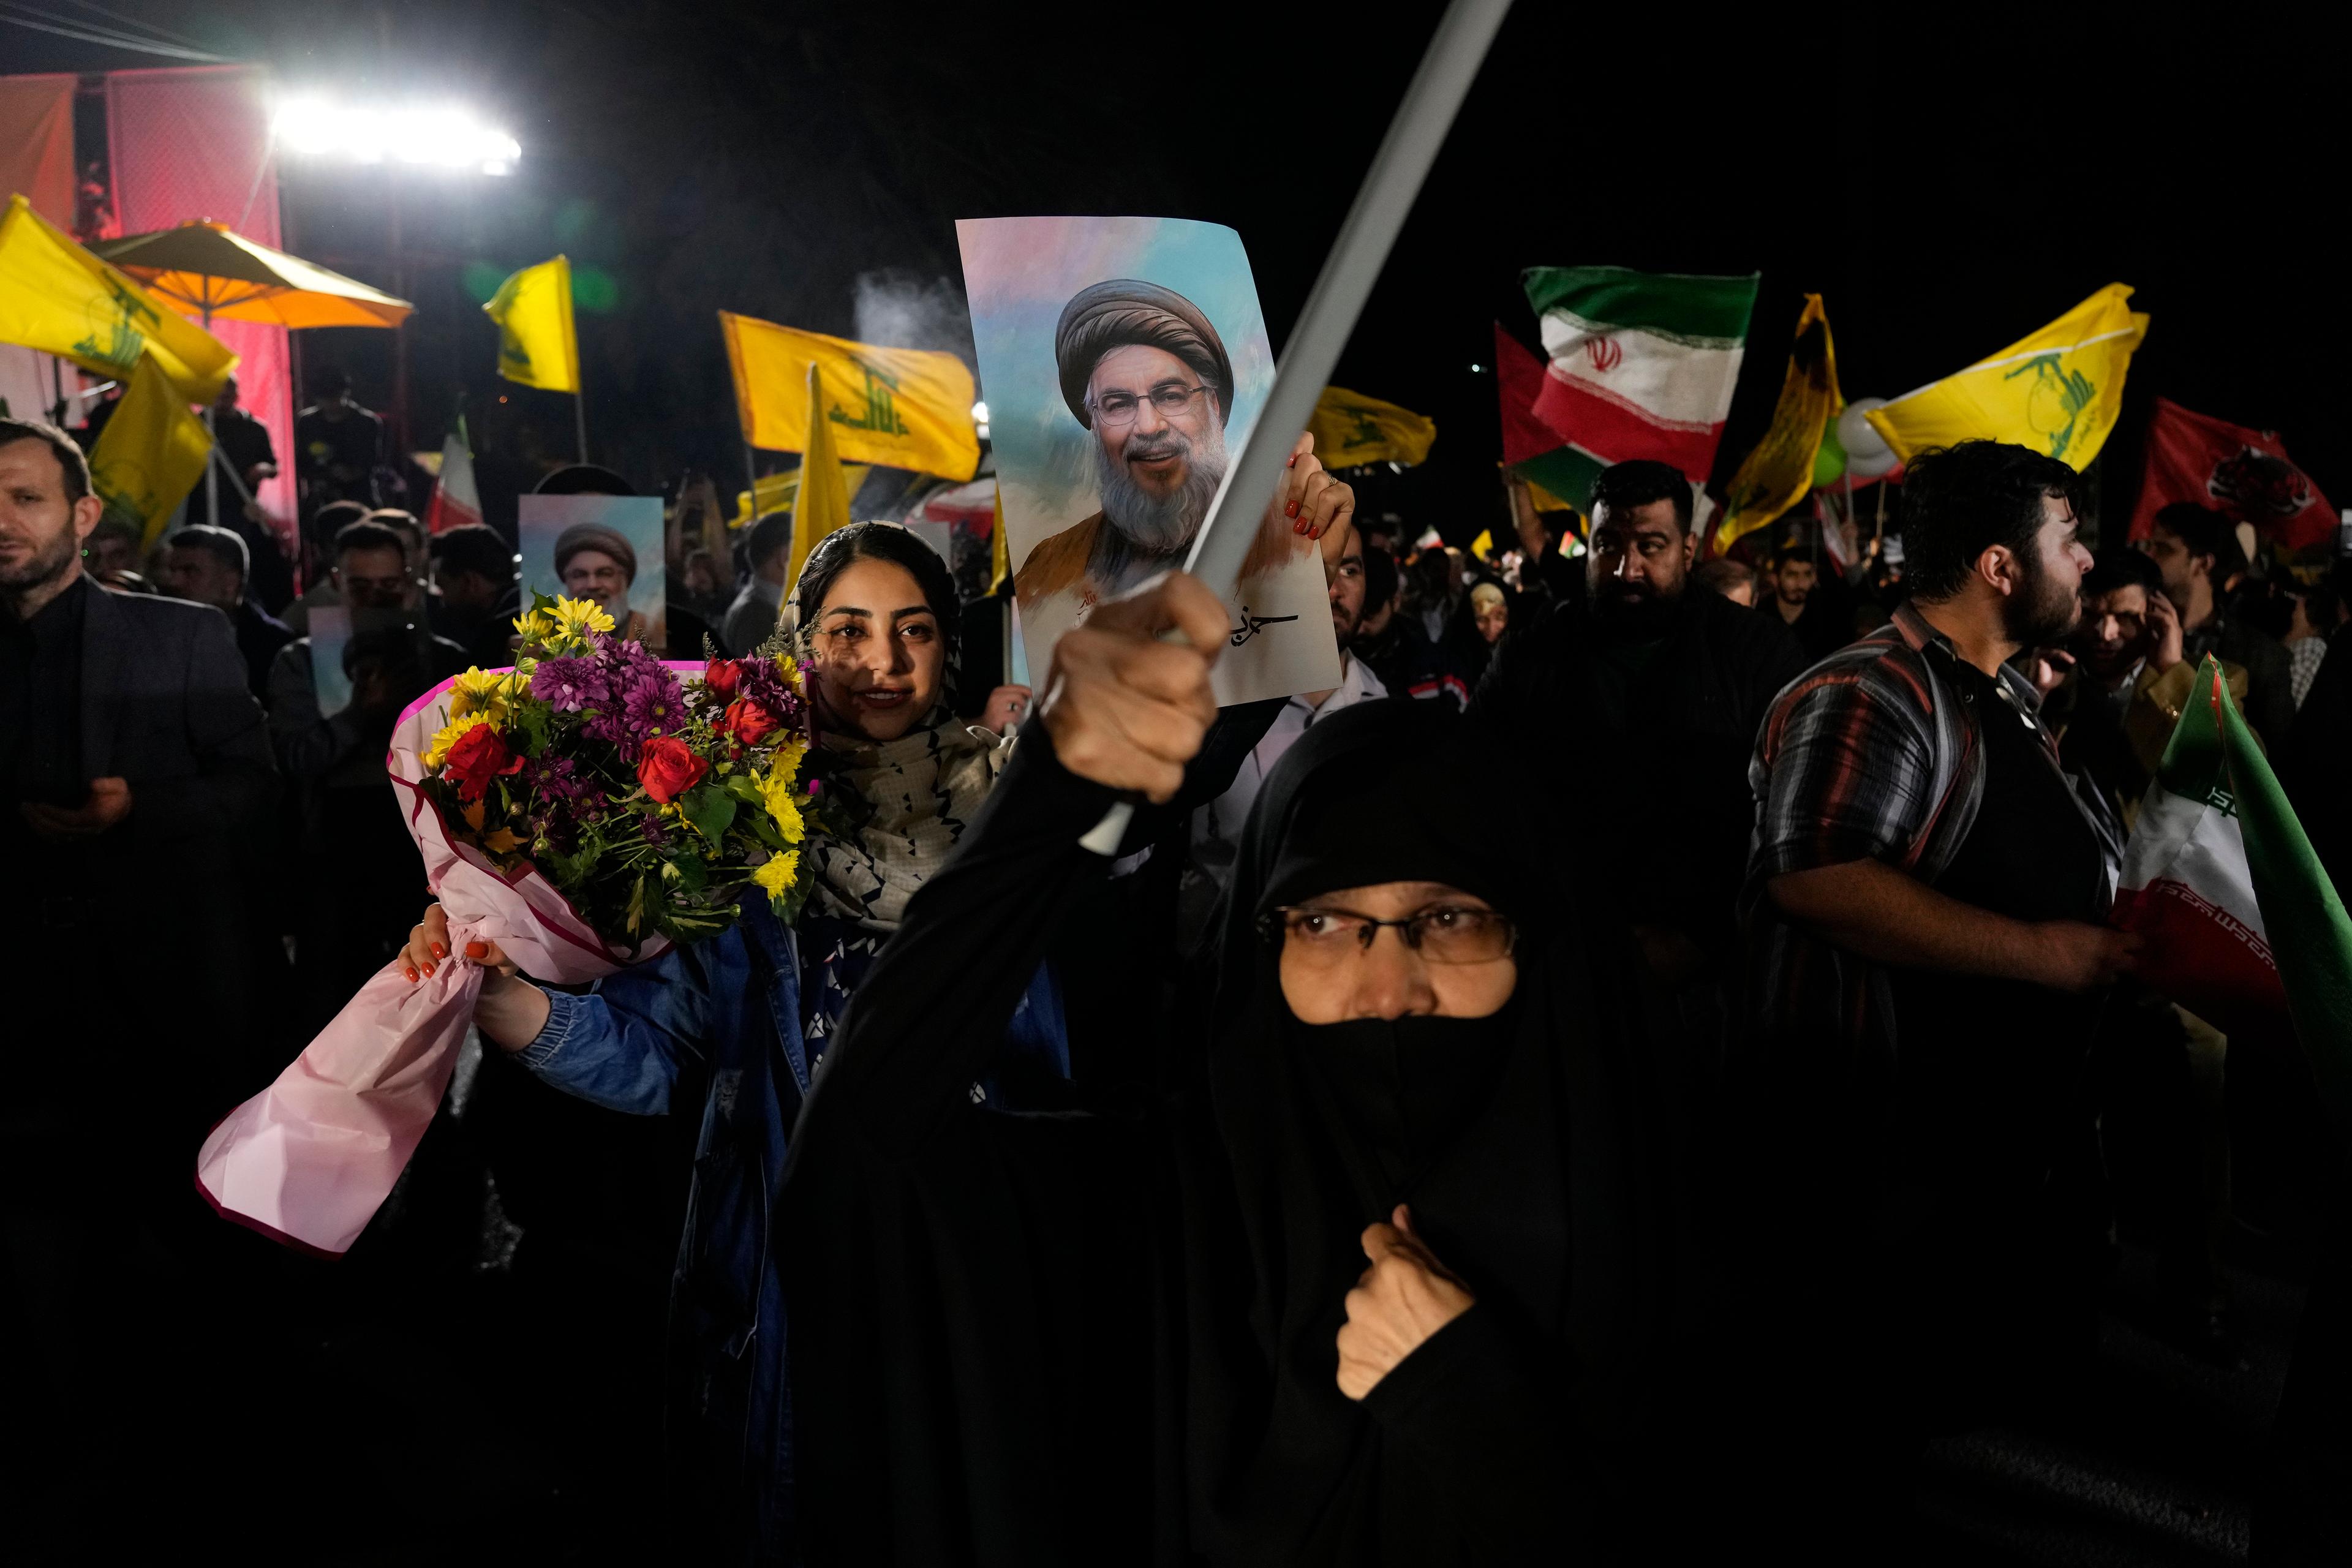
(455, 503)
(902, 408)
(1352, 429)
(538, 345)
(151, 452)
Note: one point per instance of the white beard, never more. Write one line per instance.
(1153, 525)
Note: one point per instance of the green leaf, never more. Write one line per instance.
(710, 809)
(740, 786)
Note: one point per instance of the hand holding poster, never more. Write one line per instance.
(1125, 360)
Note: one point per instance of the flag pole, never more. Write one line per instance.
(580, 417)
(1424, 116)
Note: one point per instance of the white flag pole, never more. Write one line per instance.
(1423, 118)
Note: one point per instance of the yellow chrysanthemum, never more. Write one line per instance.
(536, 626)
(778, 793)
(474, 692)
(791, 670)
(576, 617)
(777, 874)
(438, 752)
(785, 762)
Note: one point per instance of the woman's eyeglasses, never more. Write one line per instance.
(1447, 934)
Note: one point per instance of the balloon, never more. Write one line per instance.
(1867, 455)
(1829, 463)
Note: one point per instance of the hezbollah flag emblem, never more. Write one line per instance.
(2057, 391)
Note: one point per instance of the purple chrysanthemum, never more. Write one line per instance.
(570, 684)
(651, 703)
(656, 836)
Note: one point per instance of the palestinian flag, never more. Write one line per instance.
(2243, 927)
(455, 503)
(1641, 363)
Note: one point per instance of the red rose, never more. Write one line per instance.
(475, 758)
(748, 721)
(670, 768)
(721, 675)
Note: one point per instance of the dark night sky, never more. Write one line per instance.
(1947, 183)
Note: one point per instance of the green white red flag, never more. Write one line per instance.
(2242, 925)
(1642, 364)
(455, 503)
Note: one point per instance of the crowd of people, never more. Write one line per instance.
(1645, 1046)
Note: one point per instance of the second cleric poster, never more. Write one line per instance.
(1124, 361)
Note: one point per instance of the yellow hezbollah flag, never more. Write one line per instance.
(151, 452)
(2057, 392)
(774, 492)
(59, 298)
(904, 408)
(822, 504)
(537, 344)
(1778, 472)
(1352, 429)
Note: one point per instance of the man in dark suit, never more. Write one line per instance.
(131, 757)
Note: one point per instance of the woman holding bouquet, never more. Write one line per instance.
(752, 1010)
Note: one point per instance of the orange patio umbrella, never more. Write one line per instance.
(219, 274)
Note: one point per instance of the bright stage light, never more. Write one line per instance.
(440, 137)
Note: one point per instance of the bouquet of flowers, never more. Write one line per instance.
(583, 811)
(650, 802)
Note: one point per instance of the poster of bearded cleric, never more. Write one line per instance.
(1124, 361)
(605, 548)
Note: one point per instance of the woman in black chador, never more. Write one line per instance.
(1363, 1276)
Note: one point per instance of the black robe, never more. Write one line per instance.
(1108, 1335)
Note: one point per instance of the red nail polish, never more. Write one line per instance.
(1291, 510)
(428, 969)
(412, 977)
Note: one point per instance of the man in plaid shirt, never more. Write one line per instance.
(1924, 961)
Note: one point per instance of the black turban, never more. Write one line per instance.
(595, 536)
(1124, 311)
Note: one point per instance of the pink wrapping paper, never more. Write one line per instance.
(309, 1160)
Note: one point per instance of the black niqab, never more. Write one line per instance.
(1055, 1339)
(1510, 1137)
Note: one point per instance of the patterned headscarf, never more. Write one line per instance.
(907, 800)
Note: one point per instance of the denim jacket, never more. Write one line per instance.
(726, 1011)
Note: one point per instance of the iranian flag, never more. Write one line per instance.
(455, 503)
(1641, 363)
(2242, 925)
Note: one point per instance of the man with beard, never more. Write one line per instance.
(1928, 958)
(1145, 371)
(1390, 642)
(1805, 605)
(2196, 551)
(2131, 677)
(1656, 690)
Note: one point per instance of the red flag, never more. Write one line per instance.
(1519, 378)
(455, 503)
(2244, 473)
